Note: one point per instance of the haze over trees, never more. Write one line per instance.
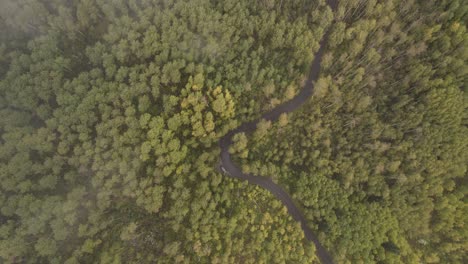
(110, 114)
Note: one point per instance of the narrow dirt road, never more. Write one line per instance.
(234, 171)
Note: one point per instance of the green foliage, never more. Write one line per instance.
(110, 112)
(109, 116)
(378, 157)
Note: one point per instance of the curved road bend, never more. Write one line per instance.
(264, 182)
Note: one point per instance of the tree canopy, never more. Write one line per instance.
(109, 115)
(378, 157)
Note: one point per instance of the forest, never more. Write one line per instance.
(111, 113)
(377, 159)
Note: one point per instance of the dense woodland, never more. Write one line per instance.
(377, 159)
(110, 113)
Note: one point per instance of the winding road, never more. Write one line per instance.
(234, 171)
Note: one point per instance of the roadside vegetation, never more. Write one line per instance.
(378, 157)
(110, 113)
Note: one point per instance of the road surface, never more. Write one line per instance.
(232, 170)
